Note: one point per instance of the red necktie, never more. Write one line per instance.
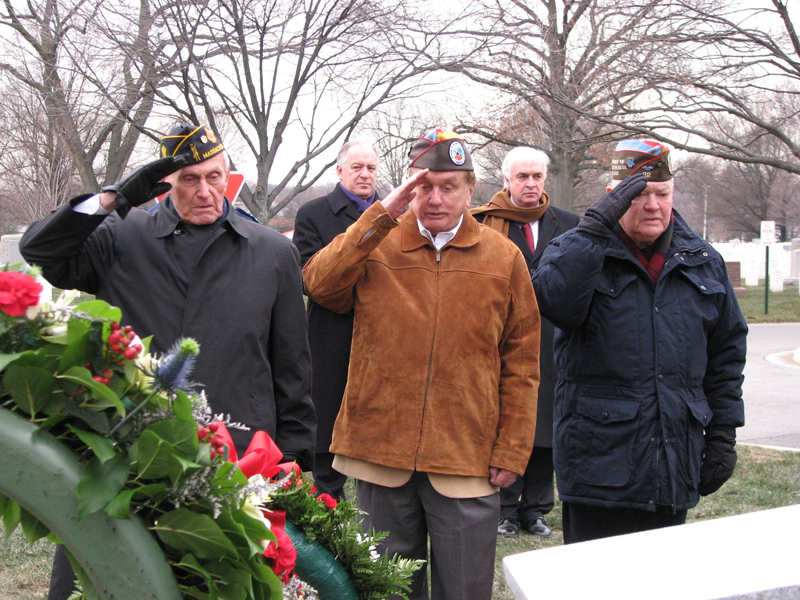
(526, 229)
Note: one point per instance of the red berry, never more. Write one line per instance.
(108, 373)
(213, 453)
(114, 337)
(129, 353)
(124, 342)
(88, 365)
(217, 443)
(201, 432)
(128, 329)
(98, 378)
(115, 347)
(212, 427)
(137, 347)
(114, 326)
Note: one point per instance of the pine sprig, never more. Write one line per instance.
(339, 531)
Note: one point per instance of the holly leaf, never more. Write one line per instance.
(166, 449)
(7, 359)
(120, 505)
(75, 353)
(236, 532)
(32, 527)
(101, 483)
(11, 517)
(102, 447)
(99, 391)
(182, 407)
(100, 309)
(195, 533)
(30, 387)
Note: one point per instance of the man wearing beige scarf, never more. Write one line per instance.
(522, 211)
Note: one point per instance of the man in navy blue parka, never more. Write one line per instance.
(650, 355)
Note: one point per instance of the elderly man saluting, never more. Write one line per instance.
(437, 412)
(650, 356)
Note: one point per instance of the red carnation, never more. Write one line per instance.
(329, 500)
(284, 556)
(18, 292)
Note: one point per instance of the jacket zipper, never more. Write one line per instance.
(430, 359)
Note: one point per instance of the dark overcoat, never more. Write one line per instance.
(643, 369)
(242, 301)
(329, 333)
(552, 223)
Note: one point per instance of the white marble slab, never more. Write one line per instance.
(753, 556)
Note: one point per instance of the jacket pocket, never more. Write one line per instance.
(603, 438)
(611, 285)
(700, 414)
(703, 283)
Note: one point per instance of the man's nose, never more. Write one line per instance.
(650, 202)
(202, 187)
(436, 197)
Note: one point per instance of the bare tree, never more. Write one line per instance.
(734, 82)
(36, 168)
(94, 67)
(293, 78)
(555, 63)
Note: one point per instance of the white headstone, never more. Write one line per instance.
(697, 561)
(776, 282)
(750, 271)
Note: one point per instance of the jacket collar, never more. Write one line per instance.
(167, 219)
(338, 201)
(684, 240)
(411, 239)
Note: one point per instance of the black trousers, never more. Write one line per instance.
(328, 480)
(583, 522)
(531, 496)
(62, 577)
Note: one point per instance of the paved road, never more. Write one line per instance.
(772, 389)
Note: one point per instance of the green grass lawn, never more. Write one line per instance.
(783, 307)
(764, 478)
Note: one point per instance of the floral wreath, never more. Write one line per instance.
(230, 528)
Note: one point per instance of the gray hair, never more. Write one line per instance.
(350, 144)
(523, 153)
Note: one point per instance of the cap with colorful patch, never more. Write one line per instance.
(440, 150)
(649, 157)
(196, 143)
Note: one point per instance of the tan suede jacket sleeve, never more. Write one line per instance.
(330, 276)
(519, 374)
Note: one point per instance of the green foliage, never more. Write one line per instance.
(132, 419)
(140, 443)
(339, 531)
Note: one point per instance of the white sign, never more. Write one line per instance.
(768, 233)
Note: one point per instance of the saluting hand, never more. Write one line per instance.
(603, 215)
(144, 183)
(399, 198)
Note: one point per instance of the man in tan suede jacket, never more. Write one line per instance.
(436, 416)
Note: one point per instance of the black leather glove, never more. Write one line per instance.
(719, 461)
(602, 216)
(143, 184)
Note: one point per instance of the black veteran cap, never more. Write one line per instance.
(440, 150)
(195, 143)
(650, 158)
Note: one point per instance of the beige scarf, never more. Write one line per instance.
(501, 210)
